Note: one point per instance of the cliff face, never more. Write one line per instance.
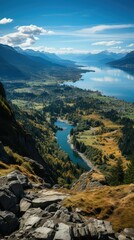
(18, 140)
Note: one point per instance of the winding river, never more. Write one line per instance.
(62, 139)
(109, 81)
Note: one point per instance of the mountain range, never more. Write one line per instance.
(125, 62)
(97, 58)
(16, 63)
(28, 64)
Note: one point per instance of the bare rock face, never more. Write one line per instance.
(89, 180)
(8, 201)
(52, 221)
(21, 178)
(8, 222)
(42, 216)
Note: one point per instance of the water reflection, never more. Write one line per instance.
(109, 81)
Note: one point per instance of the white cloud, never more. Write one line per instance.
(25, 36)
(100, 28)
(106, 43)
(131, 45)
(33, 29)
(6, 20)
(60, 50)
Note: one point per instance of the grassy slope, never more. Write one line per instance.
(114, 204)
(106, 141)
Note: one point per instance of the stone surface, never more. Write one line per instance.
(43, 202)
(126, 234)
(17, 189)
(64, 232)
(22, 178)
(8, 222)
(42, 216)
(44, 233)
(30, 218)
(52, 208)
(8, 200)
(24, 205)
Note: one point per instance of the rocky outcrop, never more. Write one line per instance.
(40, 214)
(89, 180)
(60, 224)
(8, 222)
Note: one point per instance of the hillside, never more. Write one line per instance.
(32, 160)
(125, 62)
(102, 57)
(29, 145)
(16, 65)
(51, 57)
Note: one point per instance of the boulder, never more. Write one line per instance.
(50, 224)
(100, 229)
(25, 204)
(43, 233)
(8, 222)
(64, 232)
(127, 233)
(8, 201)
(43, 202)
(31, 217)
(17, 189)
(22, 178)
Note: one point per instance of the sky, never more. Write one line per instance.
(68, 26)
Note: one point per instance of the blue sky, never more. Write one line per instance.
(68, 26)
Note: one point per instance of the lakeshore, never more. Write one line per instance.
(85, 159)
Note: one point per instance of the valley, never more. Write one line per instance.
(102, 135)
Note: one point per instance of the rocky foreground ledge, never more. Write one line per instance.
(28, 212)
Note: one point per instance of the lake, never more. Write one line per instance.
(62, 139)
(109, 81)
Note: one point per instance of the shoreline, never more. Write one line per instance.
(85, 159)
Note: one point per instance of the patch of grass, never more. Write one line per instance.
(114, 204)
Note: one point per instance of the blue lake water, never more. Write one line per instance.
(109, 81)
(62, 139)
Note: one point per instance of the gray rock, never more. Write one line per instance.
(100, 229)
(122, 237)
(109, 228)
(17, 189)
(45, 201)
(50, 224)
(44, 233)
(83, 232)
(8, 222)
(8, 201)
(24, 205)
(32, 221)
(127, 233)
(52, 208)
(23, 179)
(33, 215)
(75, 218)
(64, 232)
